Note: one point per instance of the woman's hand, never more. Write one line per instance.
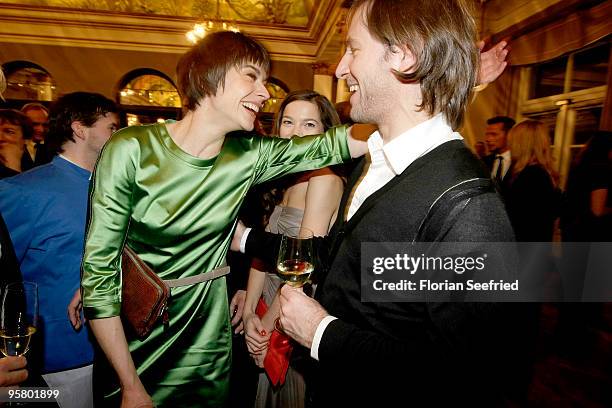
(259, 358)
(236, 311)
(256, 336)
(75, 307)
(111, 338)
(135, 397)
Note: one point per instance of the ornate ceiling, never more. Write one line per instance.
(292, 30)
(291, 12)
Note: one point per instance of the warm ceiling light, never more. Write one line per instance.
(200, 30)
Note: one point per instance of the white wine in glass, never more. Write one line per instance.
(295, 260)
(19, 317)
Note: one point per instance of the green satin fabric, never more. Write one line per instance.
(178, 213)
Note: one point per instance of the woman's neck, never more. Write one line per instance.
(198, 134)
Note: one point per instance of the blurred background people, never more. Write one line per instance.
(480, 148)
(38, 115)
(45, 211)
(588, 211)
(496, 139)
(586, 218)
(532, 199)
(15, 129)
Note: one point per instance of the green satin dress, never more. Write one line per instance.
(178, 213)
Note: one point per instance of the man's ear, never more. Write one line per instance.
(78, 129)
(401, 58)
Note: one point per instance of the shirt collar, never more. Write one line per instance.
(60, 159)
(400, 152)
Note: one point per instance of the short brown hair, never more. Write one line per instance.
(202, 69)
(441, 35)
(84, 107)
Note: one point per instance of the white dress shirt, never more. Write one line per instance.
(386, 161)
(31, 148)
(506, 159)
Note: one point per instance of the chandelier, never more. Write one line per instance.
(200, 30)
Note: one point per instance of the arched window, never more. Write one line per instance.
(27, 81)
(278, 91)
(148, 96)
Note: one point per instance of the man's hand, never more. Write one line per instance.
(492, 62)
(240, 229)
(236, 310)
(300, 315)
(12, 371)
(75, 307)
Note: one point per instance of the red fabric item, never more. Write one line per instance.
(276, 362)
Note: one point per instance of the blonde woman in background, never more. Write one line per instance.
(532, 200)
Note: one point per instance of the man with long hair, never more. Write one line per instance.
(411, 67)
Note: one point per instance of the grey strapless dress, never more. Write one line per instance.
(291, 394)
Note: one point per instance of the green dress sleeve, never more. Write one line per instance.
(280, 156)
(109, 214)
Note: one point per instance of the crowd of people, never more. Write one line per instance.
(74, 192)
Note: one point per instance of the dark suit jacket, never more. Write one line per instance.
(489, 161)
(43, 156)
(418, 353)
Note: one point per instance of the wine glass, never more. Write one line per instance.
(19, 317)
(295, 260)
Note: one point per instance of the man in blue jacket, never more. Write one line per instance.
(45, 212)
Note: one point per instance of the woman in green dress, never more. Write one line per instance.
(172, 193)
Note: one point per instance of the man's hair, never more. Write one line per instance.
(329, 116)
(202, 69)
(34, 106)
(441, 35)
(14, 117)
(84, 107)
(506, 121)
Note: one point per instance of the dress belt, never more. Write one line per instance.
(202, 277)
